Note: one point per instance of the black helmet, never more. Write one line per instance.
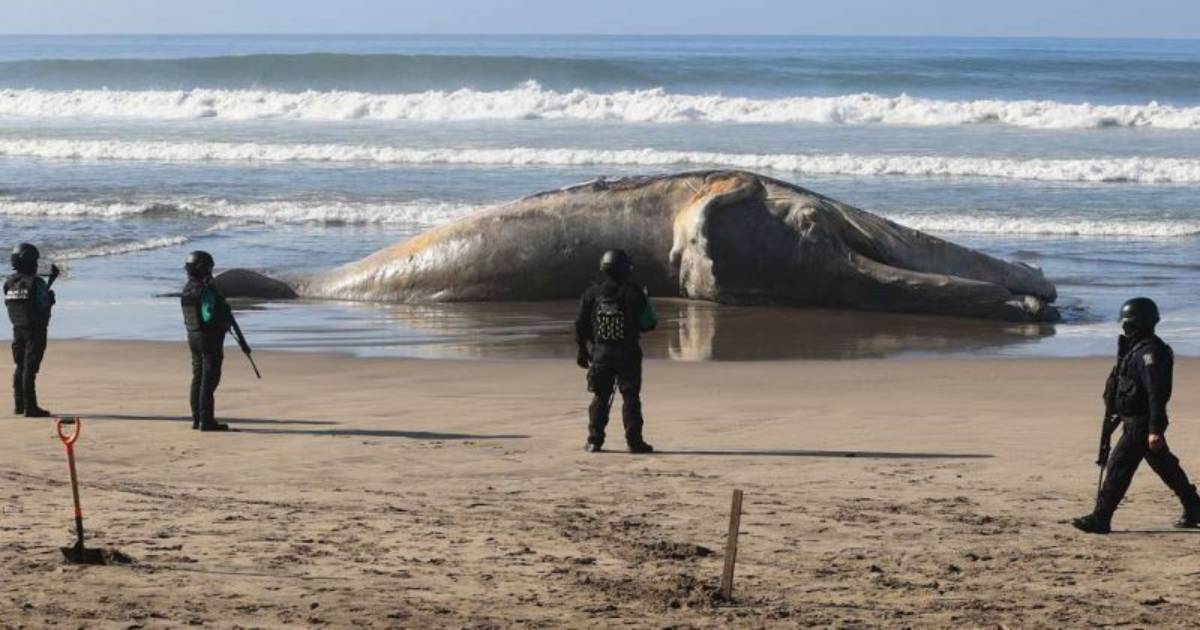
(199, 264)
(25, 258)
(616, 263)
(1139, 314)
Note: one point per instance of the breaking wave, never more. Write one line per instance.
(531, 101)
(1048, 226)
(425, 213)
(118, 248)
(1139, 170)
(429, 213)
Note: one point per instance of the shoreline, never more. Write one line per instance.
(416, 493)
(566, 359)
(689, 331)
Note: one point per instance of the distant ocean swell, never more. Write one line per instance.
(1140, 170)
(432, 212)
(531, 101)
(769, 71)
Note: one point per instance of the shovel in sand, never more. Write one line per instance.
(76, 554)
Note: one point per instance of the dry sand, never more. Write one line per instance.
(404, 493)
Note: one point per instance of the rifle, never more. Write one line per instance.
(241, 339)
(237, 333)
(54, 273)
(1111, 419)
(1107, 426)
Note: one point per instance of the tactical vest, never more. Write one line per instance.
(193, 294)
(609, 319)
(20, 290)
(1132, 397)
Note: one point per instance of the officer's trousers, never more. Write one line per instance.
(28, 349)
(1127, 455)
(620, 367)
(208, 353)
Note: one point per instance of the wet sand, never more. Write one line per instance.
(405, 493)
(688, 330)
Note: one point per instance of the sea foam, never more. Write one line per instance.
(530, 101)
(1046, 226)
(235, 214)
(429, 213)
(1139, 170)
(118, 248)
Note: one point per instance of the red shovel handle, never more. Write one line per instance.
(68, 440)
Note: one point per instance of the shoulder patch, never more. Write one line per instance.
(1148, 358)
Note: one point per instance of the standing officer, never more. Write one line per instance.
(612, 315)
(207, 317)
(1143, 388)
(29, 301)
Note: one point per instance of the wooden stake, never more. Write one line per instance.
(731, 546)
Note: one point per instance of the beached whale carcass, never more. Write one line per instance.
(725, 236)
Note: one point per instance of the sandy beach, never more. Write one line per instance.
(384, 493)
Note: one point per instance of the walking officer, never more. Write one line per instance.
(612, 316)
(1139, 390)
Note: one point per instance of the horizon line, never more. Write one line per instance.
(589, 34)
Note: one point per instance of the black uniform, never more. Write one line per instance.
(1142, 389)
(206, 315)
(612, 316)
(29, 302)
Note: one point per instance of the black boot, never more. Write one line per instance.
(1191, 510)
(593, 447)
(1092, 524)
(37, 412)
(214, 426)
(640, 447)
(1188, 521)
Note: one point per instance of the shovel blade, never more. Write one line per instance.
(81, 555)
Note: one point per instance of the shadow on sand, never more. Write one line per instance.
(381, 433)
(412, 435)
(1155, 532)
(188, 419)
(844, 454)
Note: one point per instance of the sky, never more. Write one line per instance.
(1033, 18)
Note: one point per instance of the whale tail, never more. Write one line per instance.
(243, 283)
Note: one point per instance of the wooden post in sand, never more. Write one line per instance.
(731, 546)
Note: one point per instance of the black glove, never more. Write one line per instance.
(584, 358)
(54, 272)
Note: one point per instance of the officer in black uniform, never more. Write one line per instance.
(1142, 388)
(612, 316)
(29, 301)
(207, 317)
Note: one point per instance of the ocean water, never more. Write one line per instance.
(292, 154)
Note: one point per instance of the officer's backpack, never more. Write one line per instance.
(608, 319)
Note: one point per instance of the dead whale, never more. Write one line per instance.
(731, 237)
